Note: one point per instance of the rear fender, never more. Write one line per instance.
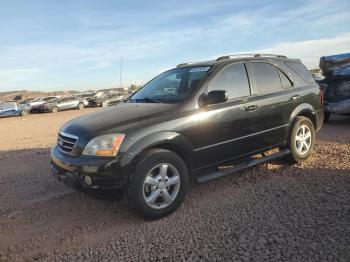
(303, 110)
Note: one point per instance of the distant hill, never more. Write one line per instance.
(8, 96)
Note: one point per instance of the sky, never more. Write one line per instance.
(64, 45)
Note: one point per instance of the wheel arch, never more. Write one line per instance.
(168, 140)
(305, 110)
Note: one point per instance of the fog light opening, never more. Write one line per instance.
(88, 180)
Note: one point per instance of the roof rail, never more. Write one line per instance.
(249, 55)
(182, 64)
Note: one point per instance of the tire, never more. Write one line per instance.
(149, 168)
(326, 117)
(81, 106)
(24, 113)
(54, 109)
(300, 151)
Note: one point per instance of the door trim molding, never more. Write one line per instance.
(239, 138)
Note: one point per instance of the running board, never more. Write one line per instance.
(253, 162)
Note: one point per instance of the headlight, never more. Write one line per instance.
(105, 145)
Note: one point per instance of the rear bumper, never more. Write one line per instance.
(104, 173)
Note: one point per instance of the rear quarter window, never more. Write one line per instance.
(286, 83)
(301, 70)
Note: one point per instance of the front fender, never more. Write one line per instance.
(163, 139)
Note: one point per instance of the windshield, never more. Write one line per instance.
(172, 86)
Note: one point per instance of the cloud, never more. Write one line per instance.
(84, 45)
(310, 51)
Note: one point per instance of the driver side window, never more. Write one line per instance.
(233, 79)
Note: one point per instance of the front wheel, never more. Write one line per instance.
(54, 109)
(302, 140)
(158, 185)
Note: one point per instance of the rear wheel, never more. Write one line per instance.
(158, 185)
(54, 109)
(302, 140)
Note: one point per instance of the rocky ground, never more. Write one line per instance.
(273, 212)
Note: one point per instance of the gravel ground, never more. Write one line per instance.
(273, 212)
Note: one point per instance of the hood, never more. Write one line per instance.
(116, 118)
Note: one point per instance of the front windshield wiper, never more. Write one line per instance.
(146, 99)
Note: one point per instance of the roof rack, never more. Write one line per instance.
(249, 55)
(182, 64)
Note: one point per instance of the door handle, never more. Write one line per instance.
(251, 108)
(294, 98)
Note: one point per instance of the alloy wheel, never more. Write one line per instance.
(303, 139)
(161, 186)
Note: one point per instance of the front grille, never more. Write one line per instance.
(66, 143)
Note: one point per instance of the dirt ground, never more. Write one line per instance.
(272, 212)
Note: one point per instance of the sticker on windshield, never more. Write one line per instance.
(199, 69)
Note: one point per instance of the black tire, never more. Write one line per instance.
(326, 117)
(54, 109)
(136, 188)
(81, 106)
(295, 156)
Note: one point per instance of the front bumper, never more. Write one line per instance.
(105, 173)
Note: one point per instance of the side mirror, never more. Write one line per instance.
(215, 97)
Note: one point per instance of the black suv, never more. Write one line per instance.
(190, 122)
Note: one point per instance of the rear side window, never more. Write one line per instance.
(267, 78)
(301, 70)
(233, 79)
(286, 83)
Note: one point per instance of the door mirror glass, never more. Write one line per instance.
(216, 97)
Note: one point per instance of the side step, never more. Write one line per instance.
(253, 162)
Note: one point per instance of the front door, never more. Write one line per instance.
(226, 129)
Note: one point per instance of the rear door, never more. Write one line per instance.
(276, 98)
(73, 102)
(63, 104)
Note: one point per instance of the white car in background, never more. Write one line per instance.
(41, 100)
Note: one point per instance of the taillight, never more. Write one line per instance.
(321, 95)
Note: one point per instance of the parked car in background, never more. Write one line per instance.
(13, 109)
(336, 84)
(106, 100)
(40, 100)
(86, 96)
(197, 121)
(26, 102)
(64, 103)
(93, 101)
